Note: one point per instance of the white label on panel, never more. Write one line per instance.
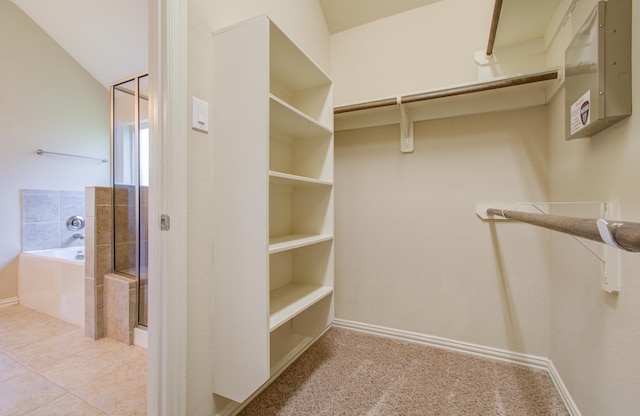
(581, 112)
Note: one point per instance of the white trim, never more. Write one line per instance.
(527, 360)
(140, 338)
(572, 408)
(166, 380)
(452, 345)
(9, 301)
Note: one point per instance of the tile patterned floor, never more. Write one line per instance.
(48, 367)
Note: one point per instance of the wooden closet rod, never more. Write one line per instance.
(620, 234)
(494, 26)
(451, 92)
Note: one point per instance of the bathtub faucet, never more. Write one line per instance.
(78, 236)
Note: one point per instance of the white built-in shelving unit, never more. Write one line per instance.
(273, 252)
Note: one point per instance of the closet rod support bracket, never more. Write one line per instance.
(608, 254)
(610, 272)
(481, 210)
(406, 130)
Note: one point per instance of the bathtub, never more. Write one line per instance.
(52, 282)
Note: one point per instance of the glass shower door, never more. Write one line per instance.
(143, 198)
(131, 184)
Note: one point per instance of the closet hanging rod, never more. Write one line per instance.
(494, 26)
(620, 234)
(41, 152)
(451, 92)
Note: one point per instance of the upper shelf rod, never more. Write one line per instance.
(494, 26)
(619, 234)
(41, 152)
(451, 92)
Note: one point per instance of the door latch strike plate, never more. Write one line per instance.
(165, 222)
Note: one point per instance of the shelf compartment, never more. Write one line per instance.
(288, 341)
(297, 209)
(285, 179)
(288, 121)
(287, 302)
(296, 79)
(307, 265)
(298, 279)
(298, 145)
(312, 157)
(293, 241)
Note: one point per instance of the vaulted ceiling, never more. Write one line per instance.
(110, 38)
(345, 14)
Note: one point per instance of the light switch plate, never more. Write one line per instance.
(200, 115)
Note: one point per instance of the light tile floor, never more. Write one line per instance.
(48, 367)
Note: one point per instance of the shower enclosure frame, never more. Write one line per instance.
(135, 167)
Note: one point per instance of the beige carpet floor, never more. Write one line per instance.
(350, 373)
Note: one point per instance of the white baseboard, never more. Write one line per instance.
(449, 344)
(562, 389)
(533, 361)
(9, 301)
(140, 337)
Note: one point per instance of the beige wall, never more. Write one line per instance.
(48, 101)
(411, 253)
(432, 46)
(595, 336)
(302, 21)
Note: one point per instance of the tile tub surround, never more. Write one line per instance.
(98, 256)
(44, 218)
(110, 299)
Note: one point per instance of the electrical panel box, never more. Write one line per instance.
(598, 71)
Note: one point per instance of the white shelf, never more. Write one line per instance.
(289, 122)
(288, 301)
(459, 100)
(296, 79)
(293, 241)
(275, 113)
(279, 178)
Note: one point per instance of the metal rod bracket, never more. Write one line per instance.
(610, 270)
(406, 130)
(608, 254)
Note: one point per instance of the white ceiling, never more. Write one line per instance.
(345, 14)
(109, 38)
(520, 20)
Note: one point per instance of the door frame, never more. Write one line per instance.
(167, 331)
